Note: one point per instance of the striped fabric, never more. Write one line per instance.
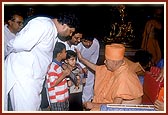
(58, 93)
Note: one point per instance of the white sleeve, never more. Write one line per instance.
(95, 55)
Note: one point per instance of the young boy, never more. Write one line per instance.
(76, 82)
(56, 80)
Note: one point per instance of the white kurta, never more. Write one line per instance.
(8, 36)
(92, 55)
(26, 66)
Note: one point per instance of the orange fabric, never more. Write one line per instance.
(121, 83)
(134, 66)
(161, 95)
(114, 51)
(95, 109)
(152, 44)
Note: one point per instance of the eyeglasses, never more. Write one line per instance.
(18, 22)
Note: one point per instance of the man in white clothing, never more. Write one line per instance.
(14, 23)
(89, 48)
(74, 40)
(26, 66)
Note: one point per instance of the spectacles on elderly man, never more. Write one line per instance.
(18, 22)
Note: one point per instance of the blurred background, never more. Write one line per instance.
(107, 22)
(97, 18)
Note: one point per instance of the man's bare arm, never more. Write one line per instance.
(85, 61)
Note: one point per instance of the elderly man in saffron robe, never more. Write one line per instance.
(115, 82)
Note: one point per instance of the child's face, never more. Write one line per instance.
(71, 61)
(63, 54)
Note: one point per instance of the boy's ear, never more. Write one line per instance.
(64, 26)
(66, 61)
(58, 54)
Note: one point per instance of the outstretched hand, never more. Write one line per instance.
(78, 54)
(88, 105)
(85, 61)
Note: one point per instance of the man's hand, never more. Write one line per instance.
(159, 106)
(66, 71)
(78, 54)
(88, 105)
(85, 61)
(117, 100)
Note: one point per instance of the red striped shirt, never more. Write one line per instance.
(58, 93)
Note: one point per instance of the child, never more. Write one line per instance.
(56, 80)
(77, 80)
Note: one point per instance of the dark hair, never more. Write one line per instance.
(70, 54)
(143, 57)
(58, 48)
(88, 36)
(10, 15)
(68, 18)
(77, 30)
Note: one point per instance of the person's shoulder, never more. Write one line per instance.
(54, 64)
(39, 17)
(79, 45)
(45, 24)
(6, 27)
(96, 41)
(39, 20)
(152, 21)
(64, 42)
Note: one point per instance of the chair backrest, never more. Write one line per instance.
(155, 71)
(151, 88)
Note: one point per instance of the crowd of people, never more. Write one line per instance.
(57, 55)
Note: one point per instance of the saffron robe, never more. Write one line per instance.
(123, 83)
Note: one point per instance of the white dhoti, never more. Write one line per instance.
(24, 88)
(88, 88)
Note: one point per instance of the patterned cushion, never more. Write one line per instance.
(122, 107)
